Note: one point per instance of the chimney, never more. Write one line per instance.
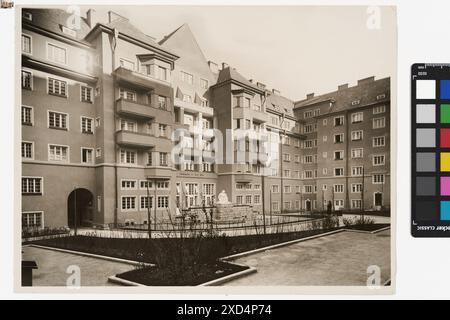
(366, 80)
(309, 96)
(224, 65)
(213, 67)
(261, 85)
(343, 86)
(92, 18)
(275, 91)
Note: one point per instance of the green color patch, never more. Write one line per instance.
(445, 113)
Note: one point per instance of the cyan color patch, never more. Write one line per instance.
(445, 210)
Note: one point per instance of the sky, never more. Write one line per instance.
(296, 50)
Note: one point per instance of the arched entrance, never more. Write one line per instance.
(79, 208)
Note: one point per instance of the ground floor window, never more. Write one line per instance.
(31, 185)
(275, 206)
(239, 199)
(146, 202)
(163, 202)
(338, 204)
(356, 204)
(257, 199)
(32, 220)
(128, 203)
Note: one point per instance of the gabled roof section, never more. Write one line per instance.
(231, 74)
(183, 42)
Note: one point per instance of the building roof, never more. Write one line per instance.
(280, 104)
(54, 19)
(366, 91)
(229, 73)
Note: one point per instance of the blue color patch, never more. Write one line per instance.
(445, 89)
(445, 210)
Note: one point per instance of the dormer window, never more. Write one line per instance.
(69, 32)
(27, 16)
(356, 102)
(381, 96)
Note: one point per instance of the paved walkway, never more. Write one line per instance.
(338, 259)
(52, 266)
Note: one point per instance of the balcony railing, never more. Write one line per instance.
(140, 80)
(145, 111)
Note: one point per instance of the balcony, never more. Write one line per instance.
(193, 107)
(142, 81)
(247, 113)
(142, 111)
(143, 141)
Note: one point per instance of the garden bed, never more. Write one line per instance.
(192, 276)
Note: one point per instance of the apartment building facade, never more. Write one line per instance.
(103, 106)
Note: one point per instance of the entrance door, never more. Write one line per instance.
(378, 199)
(308, 205)
(79, 208)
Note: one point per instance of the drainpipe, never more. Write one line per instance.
(281, 164)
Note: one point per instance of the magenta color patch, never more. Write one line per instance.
(445, 186)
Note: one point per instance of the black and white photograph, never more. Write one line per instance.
(206, 146)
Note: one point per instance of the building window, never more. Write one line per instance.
(357, 117)
(356, 102)
(287, 205)
(187, 77)
(308, 128)
(357, 153)
(57, 87)
(32, 220)
(286, 156)
(307, 189)
(338, 172)
(146, 184)
(26, 43)
(275, 206)
(357, 135)
(127, 94)
(57, 120)
(379, 123)
(126, 125)
(128, 203)
(378, 160)
(58, 153)
(339, 138)
(338, 188)
(87, 125)
(27, 16)
(257, 199)
(378, 141)
(357, 187)
(27, 80)
(248, 199)
(86, 94)
(87, 155)
(162, 130)
(27, 115)
(356, 204)
(378, 179)
(146, 202)
(127, 64)
(162, 102)
(32, 185)
(379, 109)
(163, 202)
(162, 73)
(149, 158)
(275, 188)
(339, 121)
(204, 84)
(97, 122)
(357, 171)
(163, 159)
(27, 150)
(246, 102)
(127, 156)
(239, 199)
(338, 204)
(381, 96)
(56, 54)
(98, 152)
(324, 171)
(339, 155)
(128, 184)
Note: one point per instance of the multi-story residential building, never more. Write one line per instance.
(347, 146)
(103, 105)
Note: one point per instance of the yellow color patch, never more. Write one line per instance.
(445, 161)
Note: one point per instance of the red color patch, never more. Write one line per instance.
(445, 137)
